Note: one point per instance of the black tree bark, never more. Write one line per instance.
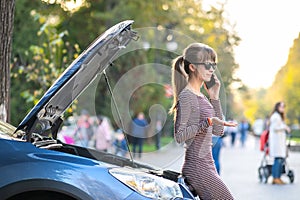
(7, 8)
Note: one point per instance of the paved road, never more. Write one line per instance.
(238, 170)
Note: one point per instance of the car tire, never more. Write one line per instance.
(36, 195)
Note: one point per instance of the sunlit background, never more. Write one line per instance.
(256, 41)
(267, 29)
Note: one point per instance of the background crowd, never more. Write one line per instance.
(97, 132)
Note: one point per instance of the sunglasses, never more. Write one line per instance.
(208, 65)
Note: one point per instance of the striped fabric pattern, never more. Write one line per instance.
(192, 128)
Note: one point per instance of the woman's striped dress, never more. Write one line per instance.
(191, 127)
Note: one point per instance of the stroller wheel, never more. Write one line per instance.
(260, 174)
(291, 176)
(266, 174)
(263, 174)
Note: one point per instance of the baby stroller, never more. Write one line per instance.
(265, 168)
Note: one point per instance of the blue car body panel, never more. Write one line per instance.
(27, 168)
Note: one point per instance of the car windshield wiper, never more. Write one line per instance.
(118, 113)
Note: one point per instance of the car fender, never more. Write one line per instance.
(42, 185)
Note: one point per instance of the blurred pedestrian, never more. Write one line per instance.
(120, 144)
(266, 123)
(138, 128)
(84, 131)
(243, 129)
(233, 131)
(103, 135)
(197, 118)
(158, 130)
(277, 141)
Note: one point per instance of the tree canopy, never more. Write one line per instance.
(56, 35)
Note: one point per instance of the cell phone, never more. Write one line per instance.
(210, 83)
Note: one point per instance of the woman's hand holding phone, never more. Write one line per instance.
(213, 87)
(210, 83)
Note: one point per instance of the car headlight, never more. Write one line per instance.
(148, 185)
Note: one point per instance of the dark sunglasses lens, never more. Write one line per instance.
(210, 65)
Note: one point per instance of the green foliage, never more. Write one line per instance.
(53, 33)
(43, 62)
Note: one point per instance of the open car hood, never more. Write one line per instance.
(46, 114)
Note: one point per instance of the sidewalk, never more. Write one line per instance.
(238, 170)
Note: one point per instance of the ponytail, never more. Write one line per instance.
(179, 80)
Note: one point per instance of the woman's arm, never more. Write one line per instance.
(218, 129)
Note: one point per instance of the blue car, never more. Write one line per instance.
(34, 164)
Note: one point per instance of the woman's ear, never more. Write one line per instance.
(192, 67)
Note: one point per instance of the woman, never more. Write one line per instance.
(277, 141)
(197, 118)
(103, 135)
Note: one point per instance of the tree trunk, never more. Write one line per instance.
(7, 8)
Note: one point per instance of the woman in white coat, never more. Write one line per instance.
(277, 141)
